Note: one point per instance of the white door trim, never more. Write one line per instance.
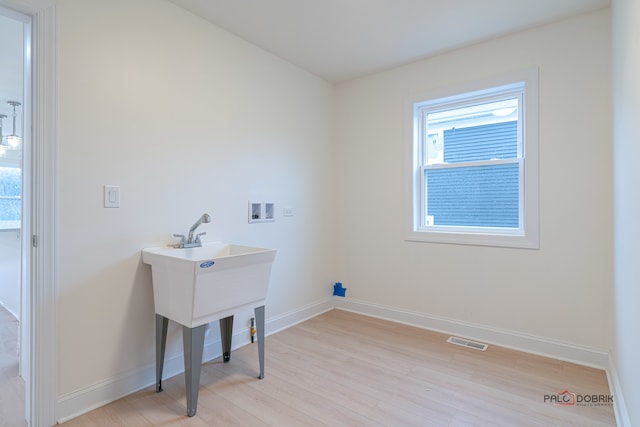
(44, 334)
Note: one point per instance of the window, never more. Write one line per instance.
(474, 165)
(10, 198)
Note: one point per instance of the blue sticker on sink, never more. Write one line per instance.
(207, 264)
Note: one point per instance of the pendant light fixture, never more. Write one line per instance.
(14, 140)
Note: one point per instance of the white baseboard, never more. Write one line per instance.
(81, 401)
(84, 400)
(528, 343)
(89, 398)
(582, 355)
(291, 318)
(619, 405)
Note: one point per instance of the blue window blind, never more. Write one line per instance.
(484, 142)
(482, 195)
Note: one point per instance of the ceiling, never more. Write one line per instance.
(343, 39)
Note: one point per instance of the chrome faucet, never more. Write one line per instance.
(190, 242)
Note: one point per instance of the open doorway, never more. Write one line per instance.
(13, 80)
(38, 327)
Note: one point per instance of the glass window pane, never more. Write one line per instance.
(10, 197)
(474, 196)
(477, 132)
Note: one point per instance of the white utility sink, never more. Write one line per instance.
(195, 286)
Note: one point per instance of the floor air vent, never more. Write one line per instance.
(469, 344)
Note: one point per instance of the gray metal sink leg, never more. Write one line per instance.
(161, 344)
(259, 312)
(226, 332)
(193, 342)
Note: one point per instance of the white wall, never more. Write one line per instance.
(186, 119)
(562, 292)
(626, 107)
(10, 271)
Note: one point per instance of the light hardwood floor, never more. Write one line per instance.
(344, 369)
(11, 385)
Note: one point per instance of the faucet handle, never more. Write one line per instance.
(198, 236)
(181, 236)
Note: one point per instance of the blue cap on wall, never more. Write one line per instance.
(338, 290)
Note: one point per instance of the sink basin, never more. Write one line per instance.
(194, 286)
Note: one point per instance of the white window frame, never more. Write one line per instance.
(527, 235)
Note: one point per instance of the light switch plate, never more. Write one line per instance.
(111, 196)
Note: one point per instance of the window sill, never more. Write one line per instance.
(475, 239)
(10, 225)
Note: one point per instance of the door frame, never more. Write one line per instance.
(39, 349)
